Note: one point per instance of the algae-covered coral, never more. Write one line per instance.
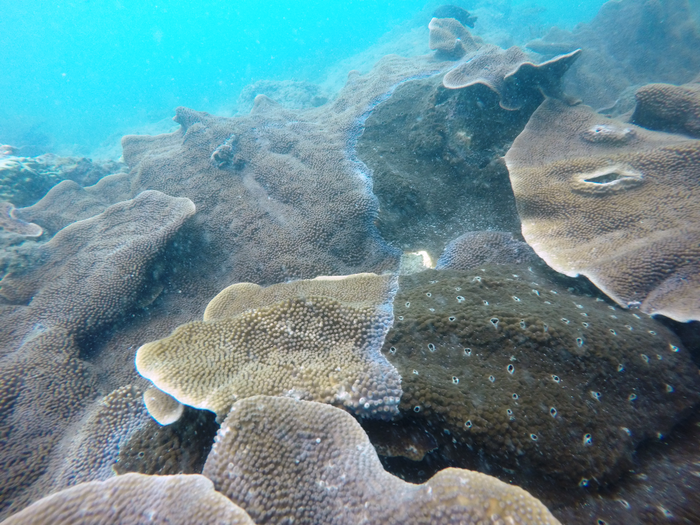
(508, 361)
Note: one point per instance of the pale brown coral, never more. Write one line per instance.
(68, 202)
(614, 202)
(285, 460)
(135, 498)
(472, 249)
(450, 39)
(10, 223)
(162, 407)
(359, 290)
(664, 107)
(88, 276)
(511, 74)
(308, 343)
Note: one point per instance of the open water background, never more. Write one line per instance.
(77, 75)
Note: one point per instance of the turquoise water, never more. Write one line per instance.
(75, 75)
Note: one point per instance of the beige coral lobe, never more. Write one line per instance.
(612, 201)
(272, 453)
(316, 339)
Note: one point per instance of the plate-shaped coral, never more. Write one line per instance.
(614, 202)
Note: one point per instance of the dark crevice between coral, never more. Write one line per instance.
(180, 448)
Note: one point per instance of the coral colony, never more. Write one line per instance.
(242, 321)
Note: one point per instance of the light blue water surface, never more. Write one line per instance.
(78, 74)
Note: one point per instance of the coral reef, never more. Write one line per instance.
(135, 498)
(533, 376)
(614, 202)
(314, 345)
(25, 180)
(493, 363)
(290, 165)
(664, 107)
(512, 75)
(450, 39)
(78, 305)
(88, 276)
(291, 94)
(272, 453)
(474, 249)
(629, 42)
